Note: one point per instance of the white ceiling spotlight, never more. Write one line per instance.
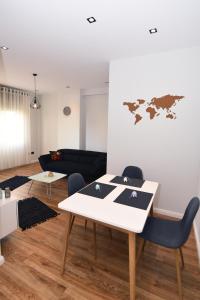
(153, 30)
(91, 20)
(4, 48)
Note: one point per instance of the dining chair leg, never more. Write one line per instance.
(182, 259)
(95, 241)
(132, 265)
(30, 187)
(178, 273)
(144, 246)
(85, 224)
(71, 225)
(140, 249)
(66, 241)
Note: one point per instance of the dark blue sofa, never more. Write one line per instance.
(91, 164)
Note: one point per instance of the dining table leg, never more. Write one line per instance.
(66, 241)
(132, 264)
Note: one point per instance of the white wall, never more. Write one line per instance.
(49, 122)
(82, 123)
(35, 126)
(168, 151)
(58, 130)
(198, 217)
(197, 226)
(95, 114)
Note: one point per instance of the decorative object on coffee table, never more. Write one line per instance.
(32, 211)
(50, 174)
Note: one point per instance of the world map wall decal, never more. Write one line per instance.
(156, 107)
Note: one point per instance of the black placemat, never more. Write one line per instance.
(90, 190)
(141, 201)
(130, 181)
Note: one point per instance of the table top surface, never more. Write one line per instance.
(107, 211)
(43, 177)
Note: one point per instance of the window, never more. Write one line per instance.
(14, 127)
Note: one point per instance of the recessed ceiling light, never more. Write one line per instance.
(4, 48)
(91, 19)
(153, 30)
(67, 87)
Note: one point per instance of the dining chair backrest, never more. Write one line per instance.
(75, 183)
(188, 217)
(133, 172)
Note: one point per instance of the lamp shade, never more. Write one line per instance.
(35, 104)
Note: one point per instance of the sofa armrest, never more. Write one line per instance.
(44, 160)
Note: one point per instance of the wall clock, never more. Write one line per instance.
(66, 110)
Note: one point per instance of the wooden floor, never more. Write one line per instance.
(32, 266)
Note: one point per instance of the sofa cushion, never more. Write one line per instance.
(87, 159)
(81, 152)
(70, 157)
(55, 166)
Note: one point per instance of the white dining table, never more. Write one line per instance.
(130, 220)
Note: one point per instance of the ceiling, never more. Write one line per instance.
(53, 38)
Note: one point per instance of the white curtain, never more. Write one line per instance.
(14, 127)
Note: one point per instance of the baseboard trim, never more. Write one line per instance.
(168, 213)
(179, 216)
(197, 238)
(33, 161)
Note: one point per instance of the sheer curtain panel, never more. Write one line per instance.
(14, 127)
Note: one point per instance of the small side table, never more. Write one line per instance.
(43, 177)
(8, 218)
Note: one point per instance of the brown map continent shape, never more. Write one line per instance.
(170, 116)
(137, 118)
(152, 112)
(141, 101)
(165, 102)
(132, 106)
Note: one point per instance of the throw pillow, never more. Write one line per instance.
(55, 155)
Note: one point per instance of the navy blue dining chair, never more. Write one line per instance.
(171, 234)
(75, 183)
(133, 172)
